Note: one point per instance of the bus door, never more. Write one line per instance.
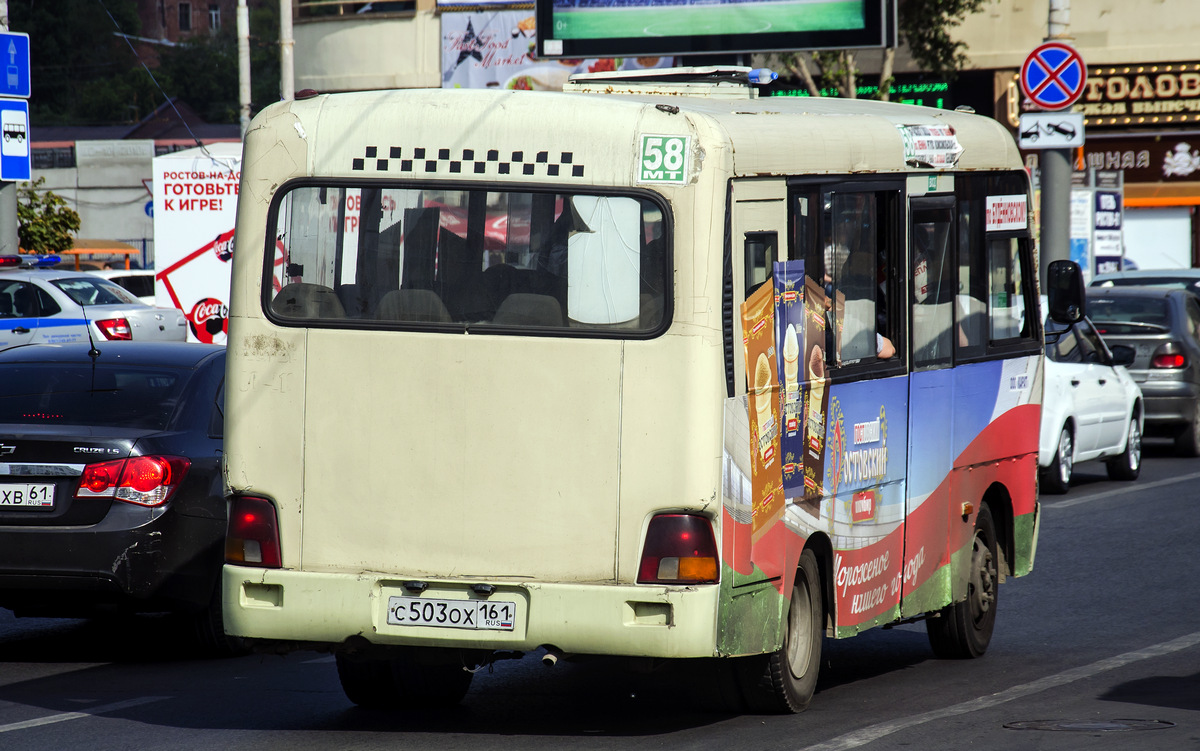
(864, 400)
(932, 388)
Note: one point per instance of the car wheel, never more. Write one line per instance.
(209, 627)
(1128, 465)
(1187, 443)
(785, 680)
(1057, 477)
(964, 629)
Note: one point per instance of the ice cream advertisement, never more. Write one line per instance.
(789, 337)
(758, 337)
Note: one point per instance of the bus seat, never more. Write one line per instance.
(305, 300)
(353, 299)
(525, 309)
(412, 305)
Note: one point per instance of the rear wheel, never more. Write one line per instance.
(785, 680)
(403, 679)
(964, 629)
(1128, 465)
(1187, 443)
(1057, 477)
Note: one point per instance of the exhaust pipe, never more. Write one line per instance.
(552, 656)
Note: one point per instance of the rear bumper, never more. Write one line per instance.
(139, 558)
(1169, 405)
(603, 619)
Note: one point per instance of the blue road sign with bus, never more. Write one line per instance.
(14, 64)
(14, 140)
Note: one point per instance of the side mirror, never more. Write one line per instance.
(1064, 289)
(1122, 354)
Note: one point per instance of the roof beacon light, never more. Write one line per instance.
(762, 75)
(43, 261)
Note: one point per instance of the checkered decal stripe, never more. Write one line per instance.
(419, 161)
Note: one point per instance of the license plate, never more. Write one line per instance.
(26, 495)
(470, 614)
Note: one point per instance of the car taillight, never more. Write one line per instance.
(252, 536)
(679, 549)
(1168, 356)
(143, 480)
(115, 329)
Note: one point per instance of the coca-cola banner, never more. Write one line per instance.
(195, 208)
(494, 49)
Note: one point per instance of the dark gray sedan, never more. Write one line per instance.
(110, 486)
(1163, 327)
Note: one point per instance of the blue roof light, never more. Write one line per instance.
(47, 261)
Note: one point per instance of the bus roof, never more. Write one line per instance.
(470, 134)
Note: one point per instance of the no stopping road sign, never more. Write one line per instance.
(1053, 76)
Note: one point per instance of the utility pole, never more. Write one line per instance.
(243, 32)
(1056, 168)
(9, 241)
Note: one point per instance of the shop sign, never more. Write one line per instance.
(1141, 95)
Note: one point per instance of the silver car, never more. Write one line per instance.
(44, 305)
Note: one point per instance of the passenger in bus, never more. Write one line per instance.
(884, 349)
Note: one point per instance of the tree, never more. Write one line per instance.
(44, 220)
(85, 73)
(924, 27)
(82, 72)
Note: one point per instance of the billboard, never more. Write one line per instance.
(195, 207)
(625, 28)
(495, 49)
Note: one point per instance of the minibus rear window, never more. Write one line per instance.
(484, 260)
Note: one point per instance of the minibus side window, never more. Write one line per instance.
(971, 310)
(1006, 289)
(934, 287)
(857, 250)
(761, 250)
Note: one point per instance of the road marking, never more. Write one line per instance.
(873, 733)
(1122, 491)
(104, 709)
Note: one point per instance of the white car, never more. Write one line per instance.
(43, 305)
(1091, 408)
(138, 281)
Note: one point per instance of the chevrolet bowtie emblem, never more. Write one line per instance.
(6, 449)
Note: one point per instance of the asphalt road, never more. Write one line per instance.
(1098, 649)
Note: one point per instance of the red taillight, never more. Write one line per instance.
(144, 480)
(1168, 356)
(252, 536)
(115, 329)
(679, 549)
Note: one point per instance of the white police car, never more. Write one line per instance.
(40, 305)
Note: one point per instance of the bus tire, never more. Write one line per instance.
(368, 682)
(1057, 477)
(1128, 464)
(964, 629)
(403, 680)
(785, 680)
